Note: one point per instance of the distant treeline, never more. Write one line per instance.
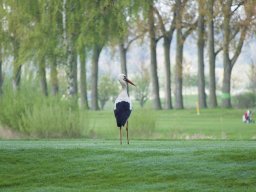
(39, 39)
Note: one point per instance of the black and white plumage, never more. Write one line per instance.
(122, 113)
(123, 106)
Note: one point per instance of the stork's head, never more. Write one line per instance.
(123, 80)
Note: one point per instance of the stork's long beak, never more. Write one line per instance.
(128, 81)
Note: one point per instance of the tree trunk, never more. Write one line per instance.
(123, 52)
(167, 36)
(229, 63)
(64, 24)
(83, 80)
(1, 73)
(226, 99)
(16, 67)
(153, 60)
(71, 56)
(54, 77)
(72, 71)
(94, 77)
(178, 72)
(42, 75)
(211, 52)
(226, 87)
(200, 49)
(179, 58)
(168, 96)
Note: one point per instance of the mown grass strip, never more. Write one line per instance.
(104, 165)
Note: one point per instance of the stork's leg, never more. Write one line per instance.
(127, 132)
(120, 135)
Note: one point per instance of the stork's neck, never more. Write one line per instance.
(124, 85)
(123, 96)
(124, 90)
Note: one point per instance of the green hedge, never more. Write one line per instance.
(245, 100)
(29, 112)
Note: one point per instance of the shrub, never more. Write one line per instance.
(29, 112)
(245, 100)
(53, 119)
(13, 104)
(143, 123)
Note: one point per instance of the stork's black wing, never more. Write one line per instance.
(122, 113)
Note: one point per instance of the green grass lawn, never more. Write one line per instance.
(224, 124)
(174, 150)
(144, 165)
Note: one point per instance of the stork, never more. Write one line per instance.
(123, 106)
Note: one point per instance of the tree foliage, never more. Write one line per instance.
(142, 86)
(46, 38)
(108, 89)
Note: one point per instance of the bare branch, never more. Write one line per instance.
(133, 39)
(218, 51)
(158, 38)
(239, 46)
(162, 27)
(190, 30)
(235, 33)
(237, 7)
(172, 26)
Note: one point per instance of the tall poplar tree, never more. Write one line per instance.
(211, 54)
(1, 72)
(153, 57)
(228, 60)
(200, 53)
(167, 34)
(182, 32)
